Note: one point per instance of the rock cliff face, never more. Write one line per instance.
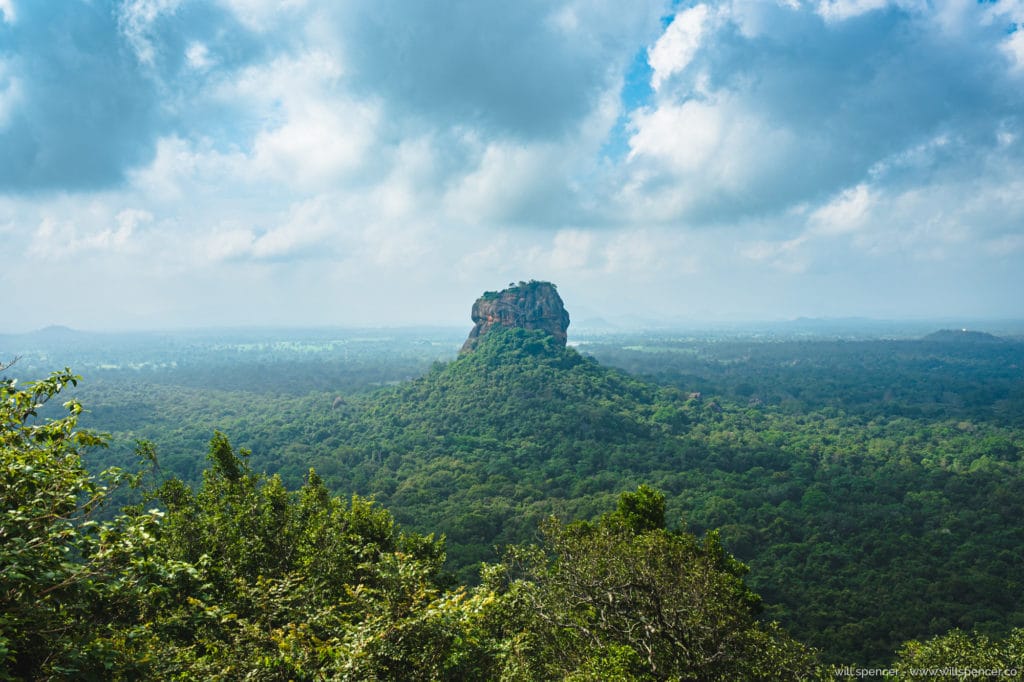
(530, 305)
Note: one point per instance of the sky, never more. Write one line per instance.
(167, 163)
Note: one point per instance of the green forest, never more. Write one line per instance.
(639, 508)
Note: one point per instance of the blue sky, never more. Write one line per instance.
(166, 163)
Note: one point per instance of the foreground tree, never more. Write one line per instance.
(624, 598)
(71, 586)
(240, 579)
(304, 586)
(957, 656)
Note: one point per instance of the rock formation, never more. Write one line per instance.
(530, 305)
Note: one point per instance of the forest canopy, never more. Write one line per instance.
(915, 495)
(243, 577)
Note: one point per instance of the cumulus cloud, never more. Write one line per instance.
(829, 99)
(706, 161)
(198, 56)
(571, 249)
(843, 214)
(86, 96)
(58, 238)
(524, 69)
(840, 10)
(265, 15)
(677, 45)
(720, 152)
(1013, 47)
(685, 137)
(10, 94)
(511, 183)
(7, 14)
(788, 255)
(136, 20)
(316, 146)
(79, 110)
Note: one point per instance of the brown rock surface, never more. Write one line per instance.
(530, 305)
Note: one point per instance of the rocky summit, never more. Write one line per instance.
(529, 305)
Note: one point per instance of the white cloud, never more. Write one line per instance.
(845, 213)
(179, 169)
(565, 19)
(136, 19)
(223, 243)
(10, 93)
(7, 14)
(571, 249)
(60, 237)
(128, 221)
(318, 144)
(948, 221)
(685, 137)
(948, 14)
(1006, 137)
(400, 248)
(309, 225)
(198, 56)
(677, 45)
(263, 15)
(507, 180)
(841, 10)
(759, 17)
(646, 254)
(702, 157)
(313, 132)
(917, 232)
(775, 150)
(408, 192)
(917, 157)
(1013, 47)
(787, 255)
(480, 260)
(1006, 245)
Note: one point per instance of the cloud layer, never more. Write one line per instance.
(172, 162)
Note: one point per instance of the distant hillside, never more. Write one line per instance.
(51, 334)
(489, 442)
(961, 336)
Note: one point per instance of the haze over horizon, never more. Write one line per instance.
(170, 164)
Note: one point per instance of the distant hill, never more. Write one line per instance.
(483, 445)
(48, 335)
(962, 336)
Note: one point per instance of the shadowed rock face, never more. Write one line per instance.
(529, 305)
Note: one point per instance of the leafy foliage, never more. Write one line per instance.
(953, 654)
(299, 585)
(244, 579)
(60, 568)
(622, 597)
